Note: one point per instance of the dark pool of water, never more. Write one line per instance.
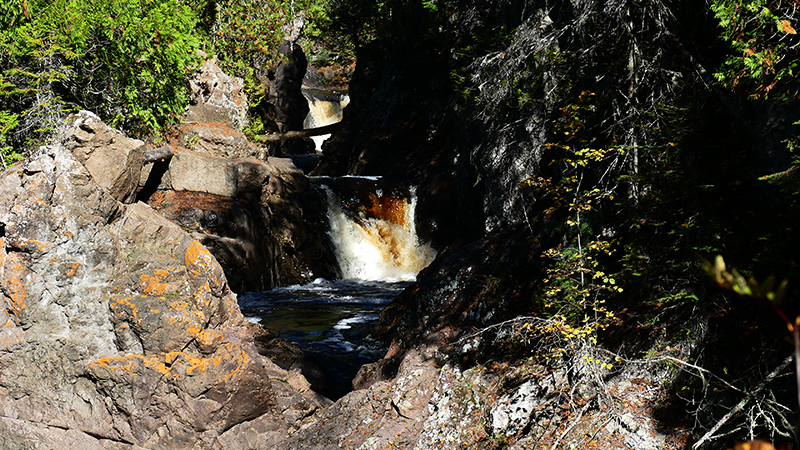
(328, 320)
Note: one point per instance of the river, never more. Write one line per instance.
(373, 235)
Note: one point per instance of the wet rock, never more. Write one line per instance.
(300, 225)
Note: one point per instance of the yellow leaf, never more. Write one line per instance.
(786, 27)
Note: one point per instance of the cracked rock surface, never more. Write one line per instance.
(119, 330)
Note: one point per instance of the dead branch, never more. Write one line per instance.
(736, 409)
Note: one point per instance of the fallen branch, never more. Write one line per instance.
(299, 134)
(736, 409)
(158, 154)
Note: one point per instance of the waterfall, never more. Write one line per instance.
(377, 240)
(324, 108)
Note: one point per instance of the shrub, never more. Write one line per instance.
(126, 60)
(763, 43)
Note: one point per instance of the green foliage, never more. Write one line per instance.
(358, 21)
(764, 42)
(748, 287)
(8, 121)
(247, 33)
(577, 286)
(355, 23)
(125, 60)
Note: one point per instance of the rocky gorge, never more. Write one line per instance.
(122, 330)
(537, 154)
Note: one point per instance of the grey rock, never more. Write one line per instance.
(214, 88)
(114, 160)
(198, 172)
(119, 329)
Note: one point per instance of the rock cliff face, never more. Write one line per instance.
(257, 215)
(432, 404)
(119, 330)
(449, 111)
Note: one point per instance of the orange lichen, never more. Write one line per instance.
(222, 367)
(125, 306)
(193, 329)
(13, 281)
(202, 297)
(198, 256)
(159, 283)
(208, 338)
(71, 269)
(31, 245)
(130, 363)
(199, 261)
(190, 362)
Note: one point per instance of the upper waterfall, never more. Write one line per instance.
(324, 108)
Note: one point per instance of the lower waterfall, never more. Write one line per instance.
(379, 242)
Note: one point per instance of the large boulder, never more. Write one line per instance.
(119, 330)
(261, 219)
(214, 90)
(216, 114)
(114, 160)
(258, 216)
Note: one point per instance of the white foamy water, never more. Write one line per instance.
(385, 247)
(323, 111)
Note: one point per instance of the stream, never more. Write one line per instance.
(372, 232)
(329, 320)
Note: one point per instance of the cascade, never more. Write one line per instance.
(373, 231)
(374, 238)
(324, 108)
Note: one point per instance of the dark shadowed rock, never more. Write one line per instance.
(261, 220)
(290, 105)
